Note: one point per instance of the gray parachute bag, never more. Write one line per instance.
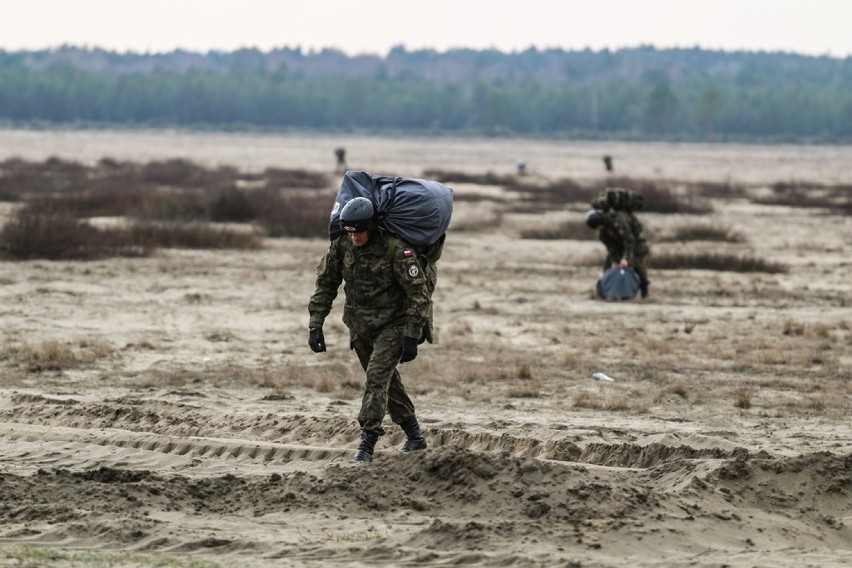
(416, 210)
(618, 283)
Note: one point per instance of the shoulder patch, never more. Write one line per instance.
(413, 271)
(407, 252)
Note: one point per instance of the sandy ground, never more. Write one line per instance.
(169, 409)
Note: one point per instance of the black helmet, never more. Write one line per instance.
(594, 219)
(356, 215)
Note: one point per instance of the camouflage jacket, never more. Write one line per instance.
(623, 236)
(384, 284)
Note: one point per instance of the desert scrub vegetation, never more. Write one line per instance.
(715, 261)
(335, 379)
(55, 355)
(161, 204)
(703, 232)
(660, 196)
(805, 194)
(160, 190)
(57, 236)
(569, 230)
(32, 235)
(716, 190)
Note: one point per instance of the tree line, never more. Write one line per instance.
(642, 93)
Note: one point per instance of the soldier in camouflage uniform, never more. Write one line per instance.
(387, 310)
(624, 238)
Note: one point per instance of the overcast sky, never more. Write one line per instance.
(811, 27)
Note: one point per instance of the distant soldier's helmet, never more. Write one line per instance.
(357, 215)
(594, 219)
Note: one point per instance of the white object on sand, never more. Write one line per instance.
(602, 377)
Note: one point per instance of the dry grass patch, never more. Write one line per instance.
(704, 232)
(190, 236)
(482, 220)
(339, 379)
(54, 355)
(57, 236)
(570, 230)
(617, 402)
(522, 384)
(302, 216)
(742, 398)
(716, 190)
(788, 354)
(715, 261)
(172, 190)
(335, 378)
(806, 194)
(523, 389)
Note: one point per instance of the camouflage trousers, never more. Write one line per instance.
(384, 392)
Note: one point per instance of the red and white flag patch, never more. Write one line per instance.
(407, 252)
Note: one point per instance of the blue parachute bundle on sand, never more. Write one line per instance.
(416, 210)
(618, 283)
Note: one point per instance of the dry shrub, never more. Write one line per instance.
(190, 236)
(175, 205)
(52, 355)
(52, 236)
(473, 197)
(541, 198)
(705, 232)
(286, 178)
(742, 398)
(608, 401)
(160, 190)
(485, 220)
(56, 236)
(571, 230)
(715, 261)
(680, 390)
(820, 330)
(790, 353)
(793, 328)
(522, 384)
(716, 190)
(524, 389)
(98, 202)
(573, 359)
(826, 393)
(333, 378)
(303, 216)
(20, 179)
(677, 389)
(801, 194)
(489, 178)
(231, 205)
(177, 173)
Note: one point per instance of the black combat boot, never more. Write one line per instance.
(416, 440)
(364, 453)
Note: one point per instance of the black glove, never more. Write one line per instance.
(409, 350)
(316, 340)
